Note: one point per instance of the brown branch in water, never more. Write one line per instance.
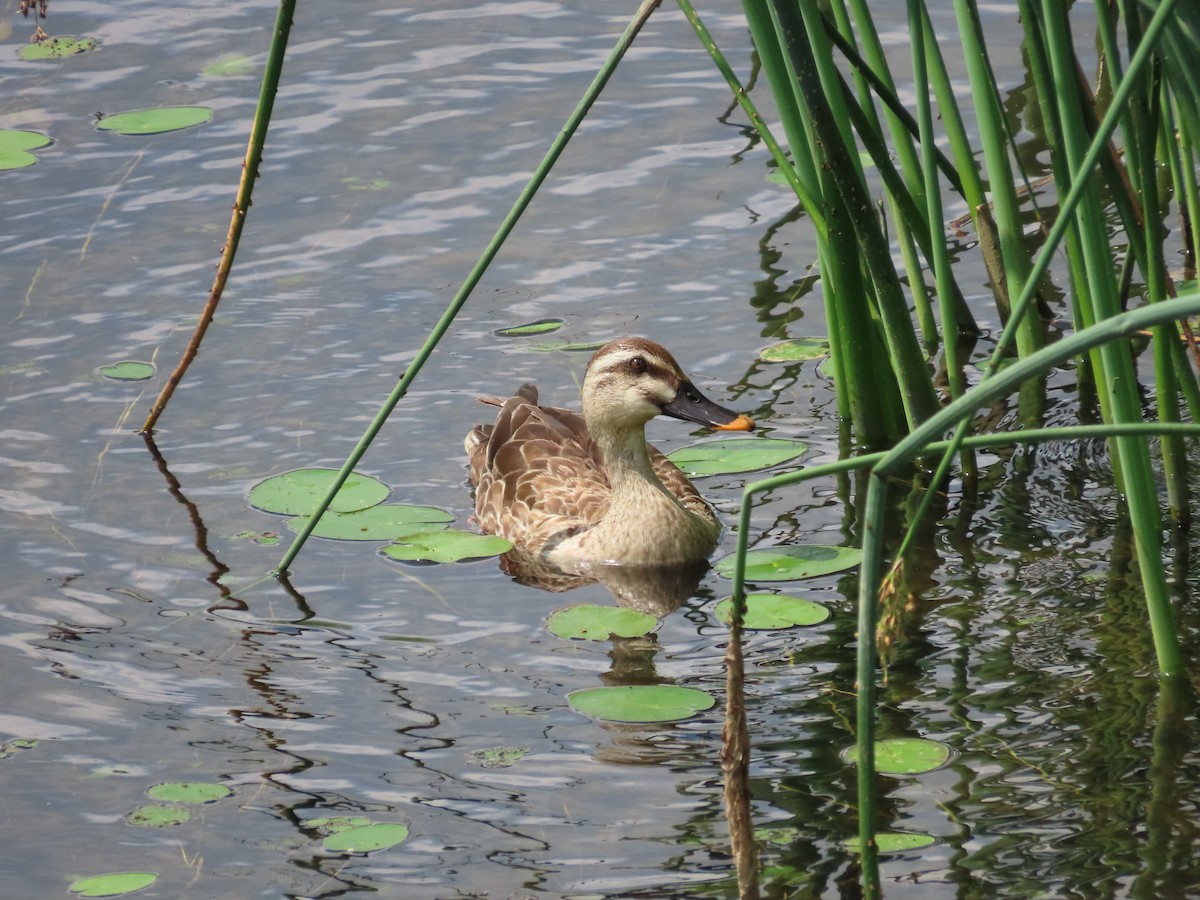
(735, 763)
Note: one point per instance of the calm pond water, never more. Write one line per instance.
(141, 646)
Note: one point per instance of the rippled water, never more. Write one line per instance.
(138, 647)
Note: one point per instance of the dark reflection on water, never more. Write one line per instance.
(142, 644)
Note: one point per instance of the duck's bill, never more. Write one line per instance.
(692, 406)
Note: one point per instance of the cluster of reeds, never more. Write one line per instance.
(1123, 152)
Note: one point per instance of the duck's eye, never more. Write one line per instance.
(638, 365)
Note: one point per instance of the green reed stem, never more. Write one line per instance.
(447, 319)
(241, 205)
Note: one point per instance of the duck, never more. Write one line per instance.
(578, 490)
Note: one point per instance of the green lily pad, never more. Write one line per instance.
(15, 159)
(114, 884)
(366, 838)
(230, 65)
(793, 562)
(155, 816)
(641, 703)
(22, 140)
(796, 351)
(541, 326)
(774, 611)
(568, 346)
(499, 757)
(447, 546)
(892, 842)
(156, 121)
(298, 492)
(599, 623)
(189, 792)
(730, 455)
(386, 522)
(128, 370)
(905, 756)
(17, 745)
(56, 48)
(333, 824)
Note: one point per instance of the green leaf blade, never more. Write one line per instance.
(298, 492)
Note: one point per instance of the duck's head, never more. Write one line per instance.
(630, 381)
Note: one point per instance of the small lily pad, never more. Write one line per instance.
(114, 884)
(155, 816)
(229, 66)
(568, 346)
(56, 48)
(156, 121)
(22, 140)
(128, 370)
(333, 824)
(15, 159)
(599, 623)
(905, 756)
(385, 522)
(366, 838)
(298, 492)
(793, 562)
(892, 842)
(541, 326)
(730, 455)
(499, 757)
(775, 611)
(641, 703)
(796, 351)
(189, 792)
(447, 546)
(17, 745)
(15, 147)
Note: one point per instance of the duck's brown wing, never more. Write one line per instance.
(536, 472)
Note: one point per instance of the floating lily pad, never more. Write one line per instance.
(796, 351)
(128, 370)
(189, 792)
(298, 492)
(541, 326)
(15, 159)
(17, 745)
(156, 121)
(155, 816)
(229, 66)
(905, 756)
(22, 140)
(446, 546)
(599, 623)
(499, 757)
(641, 703)
(793, 562)
(333, 824)
(892, 842)
(730, 455)
(366, 838)
(15, 147)
(569, 346)
(775, 611)
(114, 884)
(386, 522)
(56, 48)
